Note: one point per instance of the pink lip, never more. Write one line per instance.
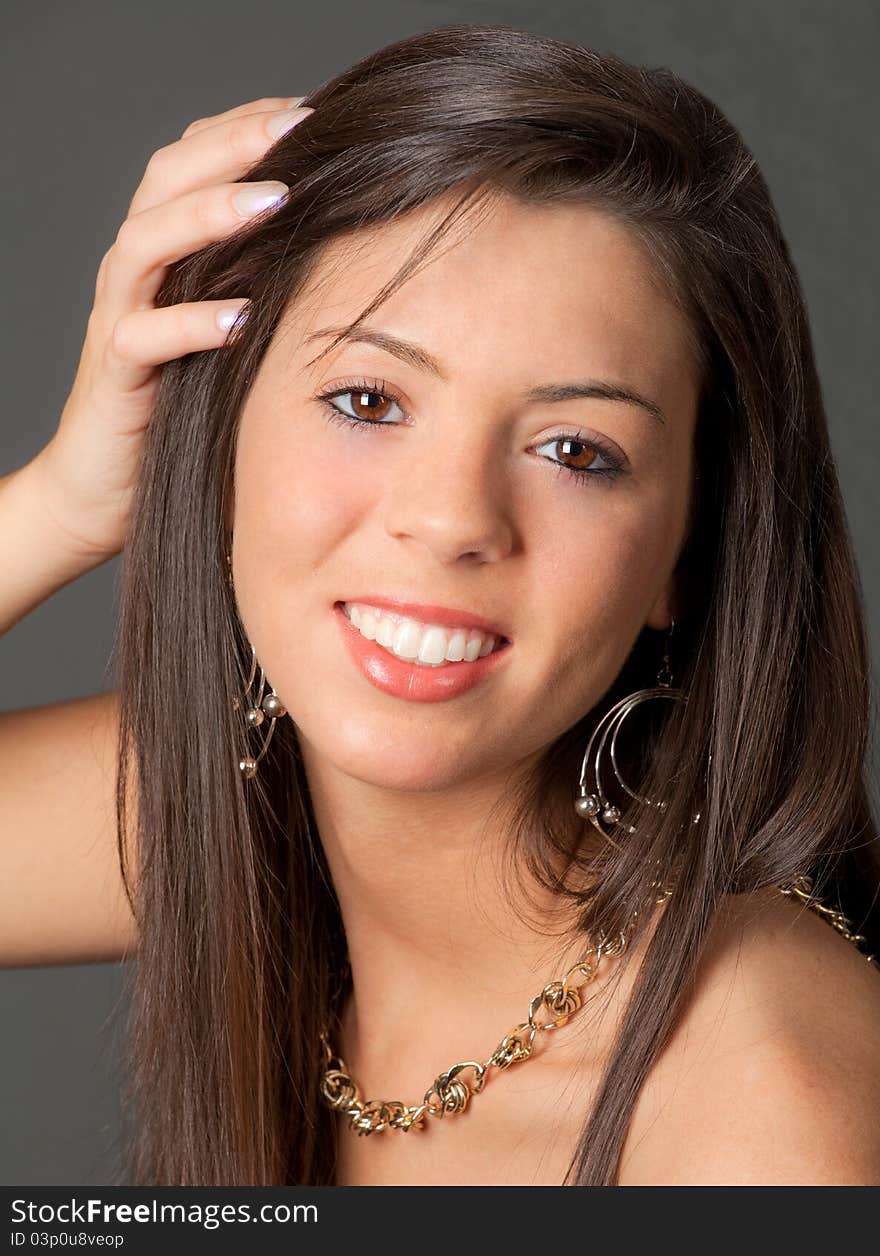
(445, 616)
(411, 680)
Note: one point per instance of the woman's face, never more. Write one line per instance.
(465, 493)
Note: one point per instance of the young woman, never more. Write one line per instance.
(493, 686)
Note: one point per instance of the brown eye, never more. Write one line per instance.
(581, 455)
(369, 405)
(585, 459)
(363, 404)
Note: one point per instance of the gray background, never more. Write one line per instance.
(91, 89)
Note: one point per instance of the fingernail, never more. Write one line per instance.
(232, 313)
(280, 123)
(260, 196)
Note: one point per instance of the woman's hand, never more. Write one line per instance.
(86, 474)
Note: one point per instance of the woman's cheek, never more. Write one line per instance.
(325, 490)
(608, 579)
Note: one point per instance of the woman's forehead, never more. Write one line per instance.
(525, 281)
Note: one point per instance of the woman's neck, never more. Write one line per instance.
(446, 952)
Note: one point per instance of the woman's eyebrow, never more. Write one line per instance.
(417, 356)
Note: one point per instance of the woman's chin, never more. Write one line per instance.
(375, 757)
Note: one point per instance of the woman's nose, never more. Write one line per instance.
(452, 501)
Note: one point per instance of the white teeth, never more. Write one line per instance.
(433, 646)
(427, 644)
(457, 643)
(407, 640)
(385, 632)
(368, 626)
(472, 649)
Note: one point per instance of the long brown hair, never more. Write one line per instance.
(240, 935)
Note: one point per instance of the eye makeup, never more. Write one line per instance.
(614, 464)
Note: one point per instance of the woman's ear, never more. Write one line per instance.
(667, 607)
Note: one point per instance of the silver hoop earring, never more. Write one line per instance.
(593, 803)
(263, 706)
(256, 712)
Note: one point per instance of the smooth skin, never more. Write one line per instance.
(771, 1075)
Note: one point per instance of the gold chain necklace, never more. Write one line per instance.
(449, 1093)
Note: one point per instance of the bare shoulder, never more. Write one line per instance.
(772, 1075)
(62, 896)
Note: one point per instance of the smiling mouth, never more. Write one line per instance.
(421, 643)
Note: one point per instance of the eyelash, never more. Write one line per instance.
(583, 475)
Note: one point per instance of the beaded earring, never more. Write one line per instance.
(593, 803)
(263, 706)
